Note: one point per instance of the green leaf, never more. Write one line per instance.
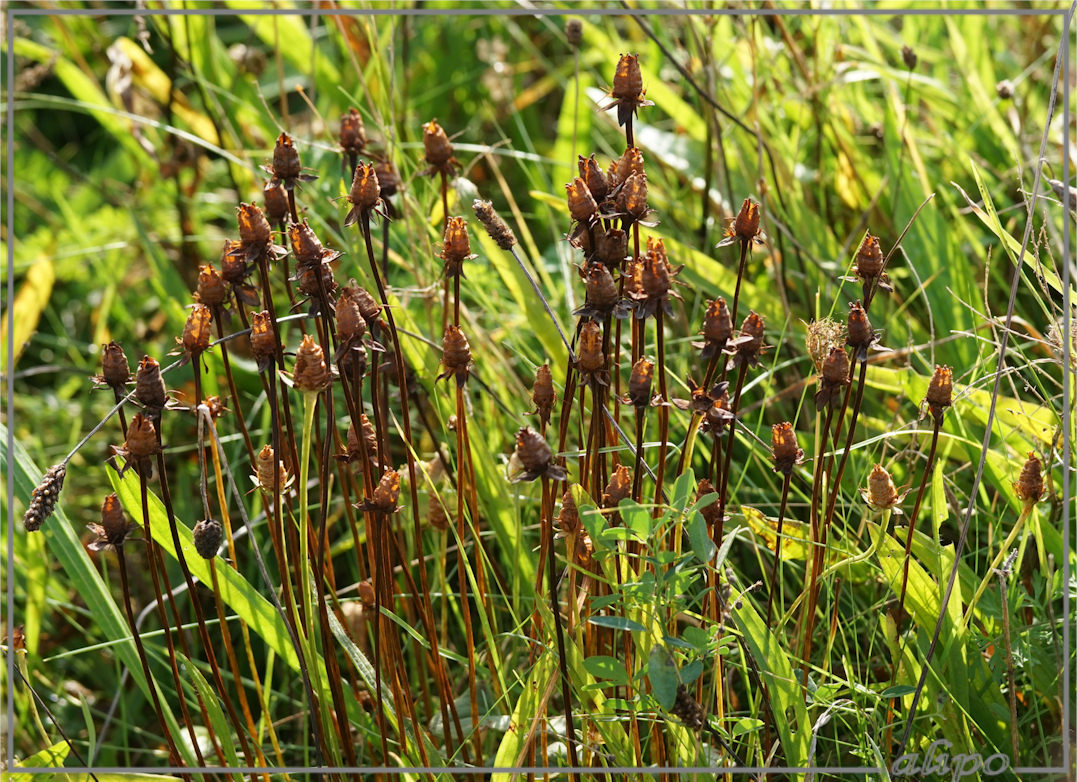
(897, 691)
(617, 623)
(607, 668)
(699, 538)
(662, 674)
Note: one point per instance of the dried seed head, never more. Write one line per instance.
(784, 449)
(351, 325)
(263, 339)
(618, 488)
(150, 386)
(940, 391)
(584, 555)
(367, 597)
(114, 527)
(822, 336)
(314, 279)
(860, 333)
(632, 198)
(352, 132)
(311, 373)
(368, 446)
(710, 512)
(746, 223)
(688, 709)
(234, 267)
(591, 357)
(869, 258)
(881, 492)
(612, 248)
(387, 492)
(1029, 485)
(627, 80)
(1004, 89)
(215, 407)
(141, 438)
(456, 247)
(717, 414)
(286, 166)
(276, 201)
(388, 179)
(630, 162)
(749, 344)
(207, 535)
(639, 383)
(908, 56)
(656, 271)
(308, 249)
(115, 371)
(568, 519)
(836, 367)
(581, 204)
(495, 226)
(365, 190)
(196, 332)
(254, 228)
(439, 517)
(369, 307)
(532, 450)
(455, 355)
(264, 467)
(436, 144)
(212, 288)
(542, 394)
(44, 497)
(717, 328)
(601, 290)
(591, 173)
(574, 32)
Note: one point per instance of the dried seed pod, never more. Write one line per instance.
(207, 534)
(367, 447)
(574, 32)
(656, 272)
(542, 394)
(386, 493)
(535, 456)
(456, 247)
(717, 329)
(115, 371)
(308, 248)
(869, 258)
(710, 512)
(601, 295)
(749, 344)
(439, 517)
(351, 325)
(455, 355)
(612, 248)
(688, 709)
(495, 226)
(352, 132)
(783, 448)
(861, 335)
(369, 307)
(834, 378)
(367, 596)
(940, 391)
(254, 228)
(44, 497)
(591, 358)
(265, 464)
(746, 223)
(619, 487)
(314, 279)
(630, 162)
(639, 383)
(632, 197)
(276, 201)
(263, 339)
(286, 165)
(627, 91)
(881, 492)
(114, 528)
(908, 56)
(584, 555)
(311, 373)
(196, 331)
(234, 266)
(215, 407)
(568, 519)
(592, 175)
(1029, 485)
(141, 440)
(212, 289)
(150, 389)
(388, 179)
(717, 414)
(581, 204)
(365, 193)
(436, 145)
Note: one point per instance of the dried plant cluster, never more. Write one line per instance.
(370, 495)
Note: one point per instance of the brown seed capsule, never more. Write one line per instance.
(836, 367)
(439, 515)
(368, 446)
(276, 201)
(688, 709)
(44, 497)
(601, 290)
(746, 223)
(592, 175)
(309, 283)
(436, 145)
(351, 325)
(388, 179)
(113, 530)
(618, 488)
(308, 249)
(584, 555)
(141, 438)
(881, 493)
(387, 492)
(783, 448)
(860, 333)
(940, 390)
(150, 389)
(455, 355)
(212, 289)
(581, 204)
(639, 383)
(533, 451)
(234, 267)
(542, 394)
(369, 307)
(908, 56)
(710, 511)
(574, 32)
(367, 597)
(311, 373)
(286, 166)
(456, 247)
(365, 190)
(495, 226)
(196, 332)
(352, 132)
(627, 80)
(1029, 485)
(254, 228)
(656, 271)
(630, 162)
(717, 328)
(632, 199)
(612, 248)
(568, 519)
(263, 339)
(115, 371)
(265, 465)
(591, 357)
(717, 415)
(869, 258)
(749, 344)
(207, 534)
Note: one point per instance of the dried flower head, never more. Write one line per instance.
(286, 167)
(276, 201)
(114, 528)
(632, 198)
(713, 406)
(618, 488)
(574, 32)
(601, 297)
(212, 289)
(266, 466)
(495, 226)
(639, 383)
(263, 338)
(351, 325)
(688, 709)
(833, 379)
(352, 132)
(717, 329)
(439, 516)
(235, 269)
(591, 358)
(710, 511)
(365, 447)
(542, 394)
(783, 448)
(364, 195)
(940, 392)
(881, 493)
(568, 518)
(860, 334)
(308, 248)
(744, 228)
(196, 331)
(535, 457)
(438, 149)
(908, 56)
(612, 248)
(630, 162)
(115, 371)
(1029, 485)
(869, 266)
(207, 534)
(311, 373)
(254, 228)
(582, 206)
(388, 179)
(456, 247)
(593, 176)
(386, 494)
(749, 344)
(150, 389)
(627, 90)
(44, 497)
(455, 355)
(655, 281)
